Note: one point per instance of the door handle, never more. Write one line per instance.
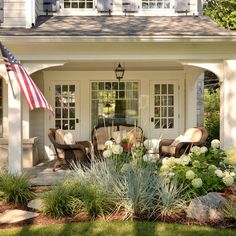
(152, 119)
(77, 120)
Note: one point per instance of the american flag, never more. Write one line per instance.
(33, 95)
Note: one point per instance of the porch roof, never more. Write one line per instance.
(126, 26)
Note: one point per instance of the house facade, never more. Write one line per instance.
(71, 49)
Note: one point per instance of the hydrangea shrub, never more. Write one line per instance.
(202, 170)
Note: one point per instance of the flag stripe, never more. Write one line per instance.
(32, 94)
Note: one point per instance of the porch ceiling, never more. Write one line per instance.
(138, 65)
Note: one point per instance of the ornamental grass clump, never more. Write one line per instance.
(15, 188)
(202, 170)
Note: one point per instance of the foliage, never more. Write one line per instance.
(117, 228)
(230, 210)
(15, 188)
(212, 115)
(56, 202)
(222, 11)
(201, 171)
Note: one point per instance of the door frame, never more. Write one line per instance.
(180, 105)
(49, 118)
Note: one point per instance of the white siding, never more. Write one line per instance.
(37, 118)
(14, 13)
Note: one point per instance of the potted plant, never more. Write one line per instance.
(126, 144)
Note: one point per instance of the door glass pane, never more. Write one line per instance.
(164, 105)
(65, 106)
(114, 102)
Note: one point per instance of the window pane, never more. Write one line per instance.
(65, 124)
(170, 89)
(163, 89)
(58, 124)
(171, 123)
(72, 124)
(164, 123)
(170, 111)
(171, 100)
(157, 100)
(157, 88)
(157, 112)
(58, 112)
(157, 124)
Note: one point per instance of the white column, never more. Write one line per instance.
(192, 74)
(29, 13)
(228, 105)
(15, 162)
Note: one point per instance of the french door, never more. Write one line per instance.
(164, 109)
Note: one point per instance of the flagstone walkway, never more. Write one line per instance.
(43, 175)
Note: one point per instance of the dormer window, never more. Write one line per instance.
(82, 4)
(155, 4)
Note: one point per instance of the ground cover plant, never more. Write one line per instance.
(15, 188)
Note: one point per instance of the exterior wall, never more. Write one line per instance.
(37, 7)
(14, 13)
(37, 118)
(200, 101)
(85, 77)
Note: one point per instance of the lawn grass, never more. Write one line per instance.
(125, 228)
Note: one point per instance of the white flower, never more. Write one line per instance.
(164, 168)
(184, 160)
(117, 149)
(215, 143)
(150, 158)
(171, 174)
(212, 167)
(108, 144)
(196, 150)
(230, 156)
(228, 180)
(197, 183)
(203, 149)
(107, 153)
(232, 174)
(196, 163)
(190, 175)
(226, 174)
(164, 161)
(147, 144)
(219, 173)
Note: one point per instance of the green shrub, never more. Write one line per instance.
(56, 202)
(15, 188)
(202, 170)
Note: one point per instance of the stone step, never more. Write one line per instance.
(14, 216)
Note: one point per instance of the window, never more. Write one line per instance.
(164, 106)
(114, 102)
(83, 4)
(156, 4)
(1, 107)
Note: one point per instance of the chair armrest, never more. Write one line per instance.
(71, 147)
(182, 147)
(166, 142)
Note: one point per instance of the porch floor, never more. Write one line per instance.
(43, 175)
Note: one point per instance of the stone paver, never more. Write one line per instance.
(36, 204)
(14, 216)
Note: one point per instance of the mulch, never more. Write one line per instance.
(175, 218)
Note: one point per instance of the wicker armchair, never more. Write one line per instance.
(67, 154)
(182, 144)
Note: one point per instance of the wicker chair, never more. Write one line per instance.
(67, 154)
(177, 147)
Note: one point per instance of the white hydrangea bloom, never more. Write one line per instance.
(228, 180)
(212, 167)
(196, 163)
(230, 156)
(107, 153)
(226, 174)
(164, 168)
(147, 144)
(219, 173)
(117, 149)
(215, 143)
(190, 175)
(108, 144)
(184, 160)
(203, 149)
(232, 174)
(196, 150)
(197, 183)
(165, 161)
(171, 174)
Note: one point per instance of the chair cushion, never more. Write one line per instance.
(194, 134)
(168, 149)
(69, 138)
(119, 135)
(134, 134)
(59, 136)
